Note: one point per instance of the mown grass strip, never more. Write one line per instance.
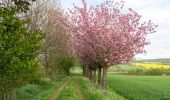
(46, 95)
(69, 92)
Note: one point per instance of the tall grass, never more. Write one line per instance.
(40, 90)
(92, 92)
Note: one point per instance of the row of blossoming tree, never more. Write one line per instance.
(105, 35)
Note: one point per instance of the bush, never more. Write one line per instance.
(66, 63)
(154, 72)
(18, 50)
(136, 71)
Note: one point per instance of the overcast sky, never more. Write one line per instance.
(156, 10)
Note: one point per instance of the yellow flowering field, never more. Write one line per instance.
(150, 65)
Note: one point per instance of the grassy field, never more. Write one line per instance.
(141, 87)
(120, 87)
(123, 67)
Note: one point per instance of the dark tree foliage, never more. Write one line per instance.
(18, 49)
(23, 5)
(66, 63)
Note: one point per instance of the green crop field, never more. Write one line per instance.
(141, 87)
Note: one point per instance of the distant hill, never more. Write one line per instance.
(159, 60)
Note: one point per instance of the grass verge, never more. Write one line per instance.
(91, 92)
(41, 90)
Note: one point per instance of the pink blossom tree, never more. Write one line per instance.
(106, 35)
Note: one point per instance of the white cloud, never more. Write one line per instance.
(155, 54)
(157, 11)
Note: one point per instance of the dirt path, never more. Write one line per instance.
(58, 91)
(78, 91)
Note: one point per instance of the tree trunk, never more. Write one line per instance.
(59, 70)
(6, 96)
(90, 74)
(68, 72)
(53, 72)
(104, 78)
(99, 76)
(94, 76)
(46, 71)
(12, 95)
(1, 97)
(46, 65)
(87, 71)
(84, 71)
